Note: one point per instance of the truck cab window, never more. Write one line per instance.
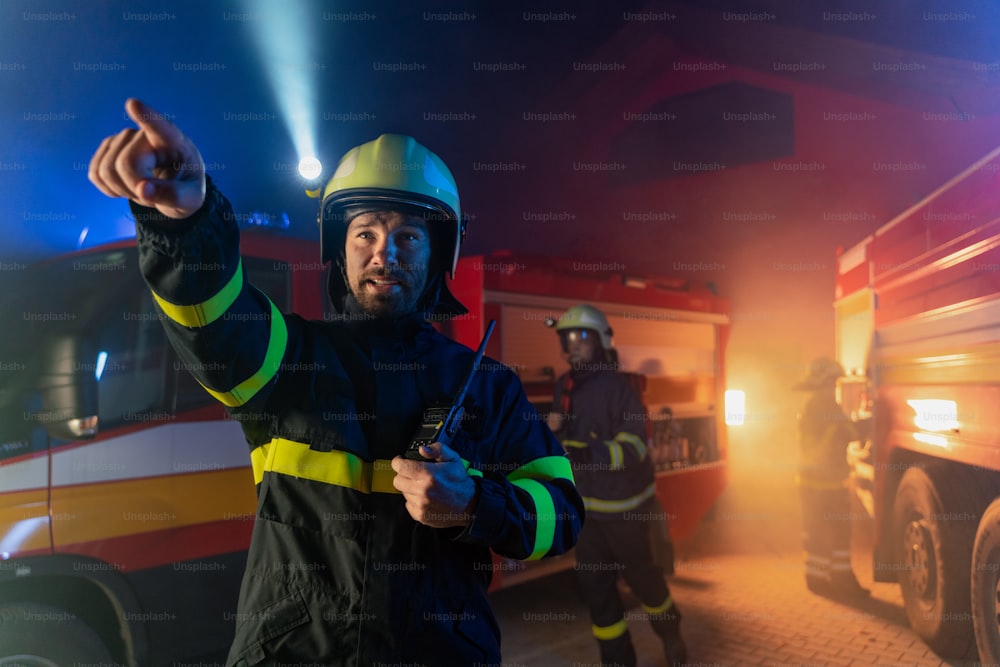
(131, 364)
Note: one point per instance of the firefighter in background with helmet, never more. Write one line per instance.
(601, 420)
(824, 434)
(358, 556)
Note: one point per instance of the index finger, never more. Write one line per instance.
(159, 131)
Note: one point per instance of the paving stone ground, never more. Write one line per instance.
(740, 586)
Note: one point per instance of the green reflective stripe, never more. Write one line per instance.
(247, 389)
(659, 609)
(338, 468)
(206, 312)
(623, 505)
(610, 631)
(469, 469)
(545, 516)
(635, 441)
(545, 467)
(616, 454)
(258, 456)
(574, 443)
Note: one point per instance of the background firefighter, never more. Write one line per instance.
(601, 420)
(824, 433)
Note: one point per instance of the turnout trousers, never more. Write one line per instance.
(605, 550)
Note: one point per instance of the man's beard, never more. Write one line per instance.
(399, 301)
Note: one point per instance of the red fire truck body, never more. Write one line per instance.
(917, 313)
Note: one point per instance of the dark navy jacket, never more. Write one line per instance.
(338, 573)
(604, 433)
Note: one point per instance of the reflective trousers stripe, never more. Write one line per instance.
(608, 632)
(661, 608)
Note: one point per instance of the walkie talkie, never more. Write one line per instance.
(440, 422)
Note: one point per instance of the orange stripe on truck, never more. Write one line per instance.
(24, 521)
(90, 513)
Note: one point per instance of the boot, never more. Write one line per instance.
(668, 627)
(617, 652)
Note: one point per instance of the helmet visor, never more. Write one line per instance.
(568, 337)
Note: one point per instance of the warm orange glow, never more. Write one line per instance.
(736, 409)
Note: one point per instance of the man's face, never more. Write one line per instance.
(579, 345)
(387, 254)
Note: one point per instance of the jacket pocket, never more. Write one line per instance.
(259, 632)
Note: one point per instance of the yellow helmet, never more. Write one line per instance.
(586, 317)
(393, 171)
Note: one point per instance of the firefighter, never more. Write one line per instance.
(824, 434)
(359, 556)
(601, 420)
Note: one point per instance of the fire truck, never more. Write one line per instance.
(126, 496)
(917, 311)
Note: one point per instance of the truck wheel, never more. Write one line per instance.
(33, 635)
(986, 585)
(934, 524)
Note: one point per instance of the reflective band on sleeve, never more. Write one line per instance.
(610, 631)
(258, 456)
(338, 468)
(616, 454)
(635, 441)
(208, 311)
(247, 389)
(659, 609)
(546, 467)
(545, 516)
(576, 444)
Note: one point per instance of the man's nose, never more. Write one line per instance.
(386, 252)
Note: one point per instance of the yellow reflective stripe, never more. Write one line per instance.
(667, 604)
(545, 467)
(247, 389)
(338, 468)
(610, 631)
(635, 441)
(623, 505)
(382, 476)
(206, 312)
(545, 516)
(574, 443)
(258, 457)
(616, 454)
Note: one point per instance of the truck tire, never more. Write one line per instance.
(934, 524)
(986, 585)
(34, 635)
